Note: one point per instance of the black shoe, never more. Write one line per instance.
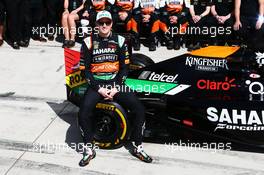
(177, 44)
(24, 43)
(197, 46)
(50, 37)
(71, 43)
(39, 38)
(15, 45)
(152, 46)
(136, 45)
(87, 158)
(139, 153)
(65, 44)
(190, 47)
(170, 45)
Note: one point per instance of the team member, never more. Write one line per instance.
(249, 14)
(15, 17)
(145, 14)
(72, 12)
(199, 11)
(54, 10)
(26, 24)
(122, 14)
(174, 16)
(37, 16)
(222, 12)
(2, 17)
(92, 7)
(104, 56)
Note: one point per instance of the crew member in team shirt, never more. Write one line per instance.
(249, 20)
(122, 14)
(199, 11)
(173, 15)
(145, 14)
(222, 16)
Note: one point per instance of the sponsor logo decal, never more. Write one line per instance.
(158, 77)
(255, 87)
(255, 76)
(244, 120)
(206, 64)
(260, 58)
(152, 82)
(95, 44)
(216, 85)
(105, 106)
(105, 50)
(256, 90)
(75, 79)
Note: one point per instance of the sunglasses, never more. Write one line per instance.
(108, 23)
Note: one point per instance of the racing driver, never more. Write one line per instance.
(104, 56)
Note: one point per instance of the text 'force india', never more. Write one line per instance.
(215, 90)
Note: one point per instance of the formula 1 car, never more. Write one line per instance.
(217, 90)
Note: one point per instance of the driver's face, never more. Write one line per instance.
(104, 25)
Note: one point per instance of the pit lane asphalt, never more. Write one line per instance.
(38, 130)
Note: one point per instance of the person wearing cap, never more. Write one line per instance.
(249, 19)
(105, 57)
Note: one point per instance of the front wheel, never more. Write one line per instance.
(111, 125)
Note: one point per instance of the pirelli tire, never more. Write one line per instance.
(112, 127)
(138, 61)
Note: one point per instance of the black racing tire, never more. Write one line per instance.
(138, 61)
(112, 127)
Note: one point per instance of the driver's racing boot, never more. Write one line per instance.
(139, 153)
(88, 155)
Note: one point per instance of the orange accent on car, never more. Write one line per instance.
(215, 51)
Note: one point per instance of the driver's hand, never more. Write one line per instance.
(113, 91)
(105, 93)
